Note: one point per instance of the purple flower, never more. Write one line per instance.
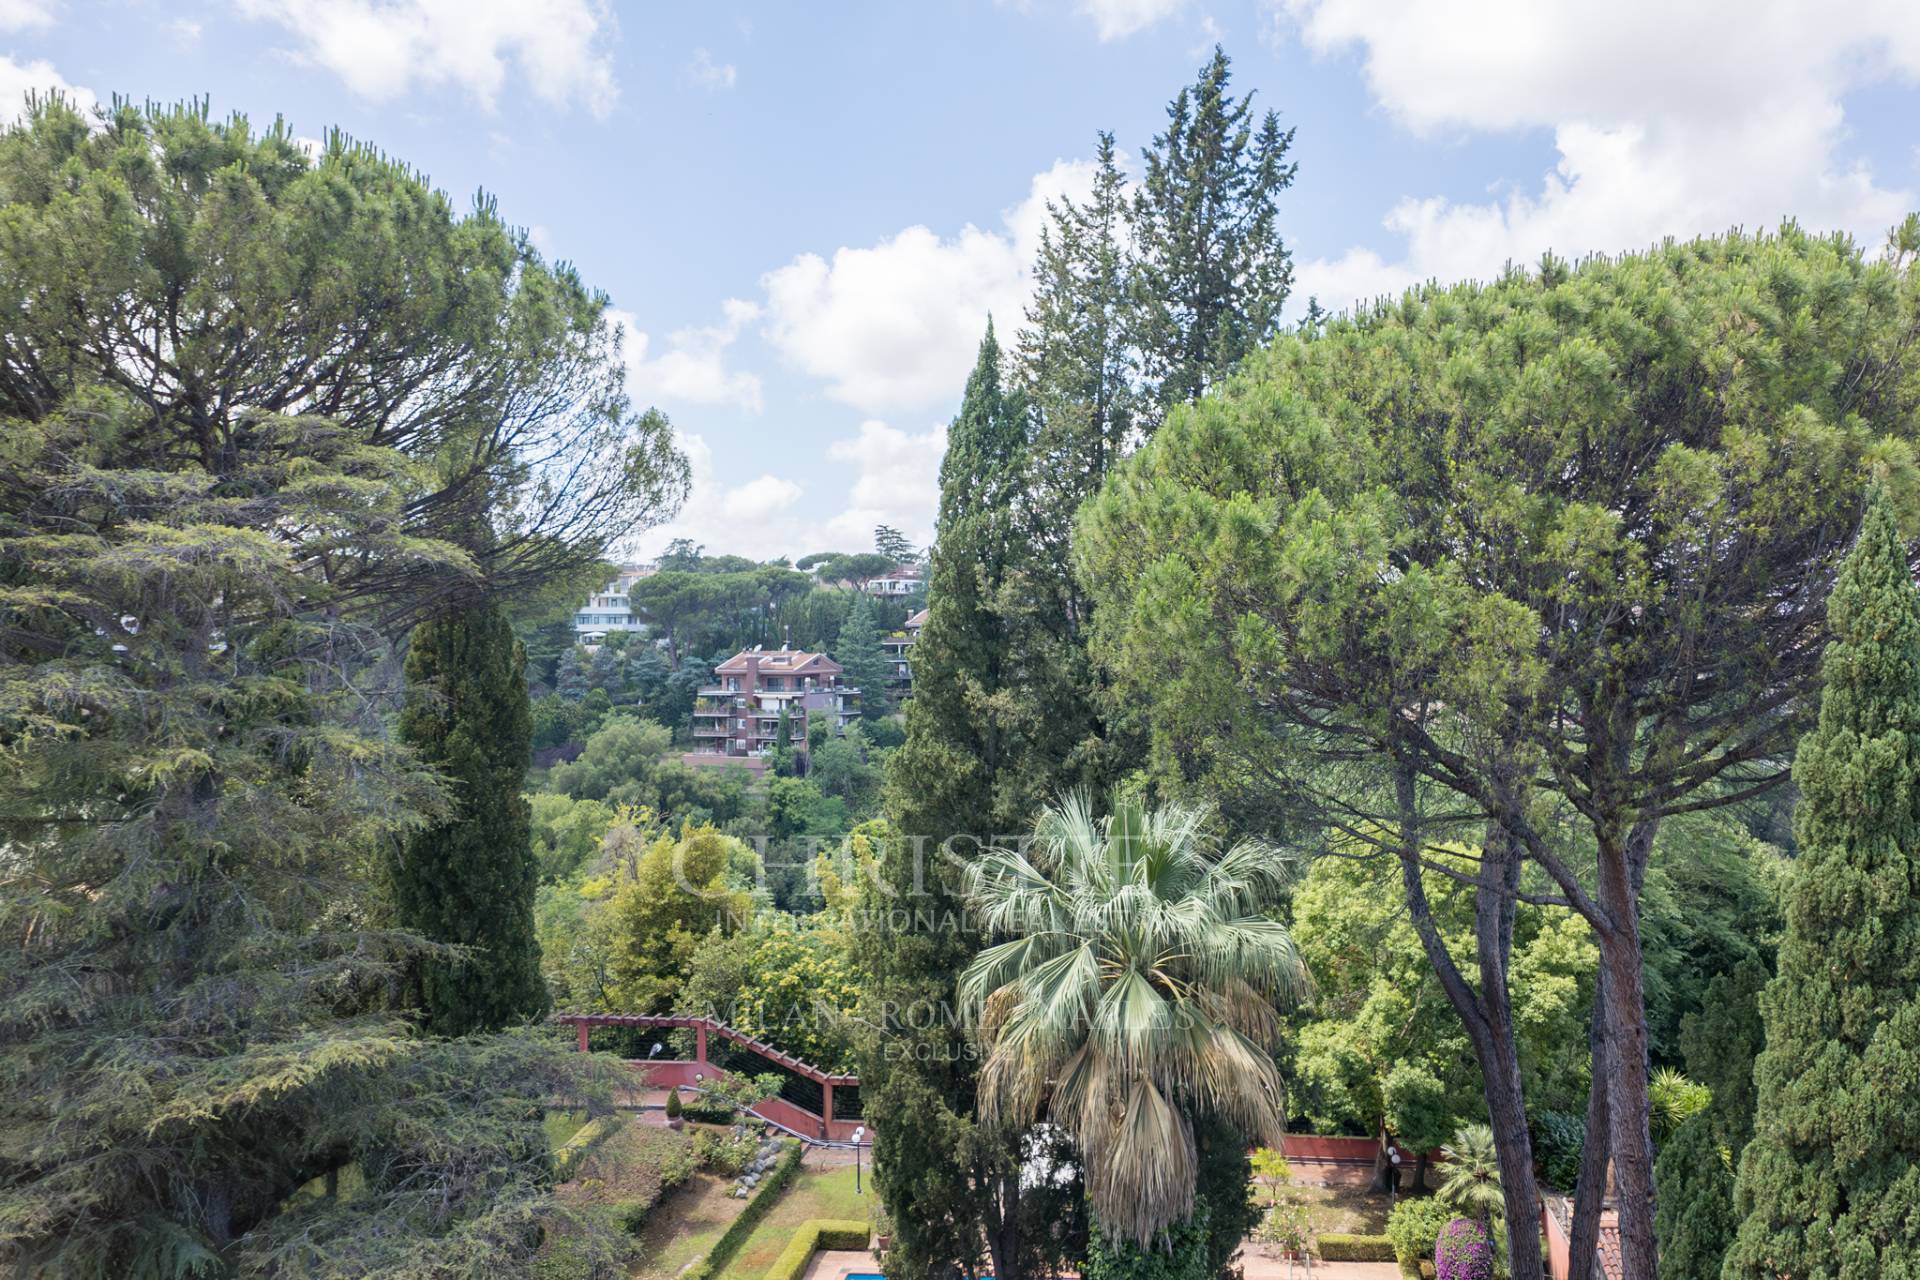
(1463, 1252)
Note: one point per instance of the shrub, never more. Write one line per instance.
(1286, 1225)
(1179, 1252)
(819, 1233)
(1414, 1227)
(1558, 1141)
(1463, 1252)
(724, 1153)
(584, 1139)
(674, 1106)
(1345, 1248)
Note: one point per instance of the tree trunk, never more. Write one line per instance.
(1589, 1194)
(1003, 1223)
(1627, 1103)
(1382, 1165)
(1487, 1021)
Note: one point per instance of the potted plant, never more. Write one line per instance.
(882, 1232)
(673, 1108)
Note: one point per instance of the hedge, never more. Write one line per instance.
(1343, 1248)
(585, 1138)
(741, 1227)
(816, 1233)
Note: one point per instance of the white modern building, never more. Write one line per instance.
(607, 611)
(904, 580)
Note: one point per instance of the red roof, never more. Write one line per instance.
(781, 662)
(917, 621)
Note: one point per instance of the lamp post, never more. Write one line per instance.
(858, 1134)
(1393, 1178)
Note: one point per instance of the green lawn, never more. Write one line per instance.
(815, 1193)
(685, 1226)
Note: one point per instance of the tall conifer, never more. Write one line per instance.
(947, 1183)
(1830, 1183)
(470, 879)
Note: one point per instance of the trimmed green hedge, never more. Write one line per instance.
(585, 1138)
(1343, 1248)
(741, 1227)
(815, 1234)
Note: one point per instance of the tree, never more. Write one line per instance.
(891, 543)
(1410, 572)
(618, 763)
(865, 662)
(682, 890)
(263, 411)
(469, 879)
(947, 1184)
(570, 676)
(857, 569)
(1132, 996)
(1828, 1185)
(1073, 360)
(1212, 272)
(605, 670)
(566, 833)
(1695, 1217)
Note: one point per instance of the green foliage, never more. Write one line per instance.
(1470, 533)
(1471, 1187)
(1828, 1185)
(1695, 1214)
(1721, 1042)
(1414, 1227)
(618, 764)
(786, 980)
(468, 881)
(867, 668)
(1271, 1168)
(725, 1153)
(1179, 1252)
(674, 1105)
(1558, 1141)
(1340, 1247)
(1132, 996)
(202, 589)
(566, 833)
(816, 1234)
(839, 767)
(1223, 1190)
(1287, 1225)
(681, 890)
(1674, 1100)
(1212, 271)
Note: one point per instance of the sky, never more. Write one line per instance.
(803, 215)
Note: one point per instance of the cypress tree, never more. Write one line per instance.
(1830, 1183)
(570, 675)
(470, 880)
(858, 650)
(948, 1183)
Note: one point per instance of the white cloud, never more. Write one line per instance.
(382, 48)
(893, 327)
(17, 15)
(753, 519)
(693, 367)
(18, 79)
(759, 498)
(710, 74)
(1118, 19)
(896, 482)
(1668, 120)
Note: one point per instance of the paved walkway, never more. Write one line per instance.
(833, 1264)
(1257, 1266)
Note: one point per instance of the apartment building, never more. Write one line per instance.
(898, 644)
(607, 611)
(737, 719)
(902, 580)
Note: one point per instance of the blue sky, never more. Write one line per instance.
(804, 213)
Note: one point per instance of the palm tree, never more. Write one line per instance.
(1136, 991)
(1472, 1188)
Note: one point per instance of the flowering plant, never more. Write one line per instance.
(1463, 1252)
